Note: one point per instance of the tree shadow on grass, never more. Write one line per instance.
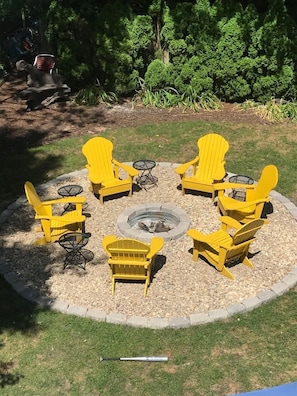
(16, 315)
(18, 163)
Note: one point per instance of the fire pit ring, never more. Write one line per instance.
(153, 219)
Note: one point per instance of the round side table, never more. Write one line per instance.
(239, 193)
(146, 178)
(70, 190)
(73, 243)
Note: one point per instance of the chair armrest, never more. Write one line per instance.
(221, 187)
(198, 236)
(107, 240)
(156, 244)
(181, 169)
(74, 200)
(228, 185)
(63, 219)
(127, 168)
(229, 221)
(237, 205)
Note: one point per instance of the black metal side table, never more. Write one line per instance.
(146, 178)
(239, 193)
(70, 190)
(73, 243)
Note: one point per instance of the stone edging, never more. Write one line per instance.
(277, 289)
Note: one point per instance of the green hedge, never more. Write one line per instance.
(220, 48)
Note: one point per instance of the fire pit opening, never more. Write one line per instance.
(148, 220)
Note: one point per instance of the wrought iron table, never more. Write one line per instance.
(146, 178)
(70, 190)
(73, 243)
(239, 193)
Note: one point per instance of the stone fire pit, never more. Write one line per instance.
(148, 220)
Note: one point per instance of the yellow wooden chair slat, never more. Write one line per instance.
(131, 259)
(221, 247)
(53, 226)
(103, 169)
(207, 168)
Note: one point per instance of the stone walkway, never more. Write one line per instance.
(289, 281)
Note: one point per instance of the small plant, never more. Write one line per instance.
(209, 101)
(290, 110)
(165, 97)
(170, 97)
(249, 104)
(94, 95)
(275, 110)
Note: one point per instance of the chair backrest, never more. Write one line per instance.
(247, 231)
(34, 200)
(128, 250)
(98, 152)
(242, 239)
(44, 62)
(266, 183)
(212, 149)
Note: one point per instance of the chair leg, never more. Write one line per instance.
(41, 241)
(227, 273)
(145, 288)
(195, 251)
(247, 262)
(195, 254)
(75, 257)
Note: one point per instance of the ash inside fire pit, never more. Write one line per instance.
(159, 226)
(144, 221)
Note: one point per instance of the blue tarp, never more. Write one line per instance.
(282, 390)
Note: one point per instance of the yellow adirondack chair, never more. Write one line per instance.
(256, 196)
(103, 170)
(131, 259)
(207, 168)
(221, 247)
(54, 226)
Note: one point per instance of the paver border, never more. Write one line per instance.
(197, 318)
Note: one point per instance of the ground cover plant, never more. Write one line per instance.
(51, 353)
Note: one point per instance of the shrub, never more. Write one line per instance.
(155, 76)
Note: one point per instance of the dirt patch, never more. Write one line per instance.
(68, 119)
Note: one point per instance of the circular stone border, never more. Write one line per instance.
(32, 295)
(126, 230)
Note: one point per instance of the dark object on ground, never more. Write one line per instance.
(43, 88)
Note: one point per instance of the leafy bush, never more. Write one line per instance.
(216, 48)
(156, 75)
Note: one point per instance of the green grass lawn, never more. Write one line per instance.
(43, 352)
